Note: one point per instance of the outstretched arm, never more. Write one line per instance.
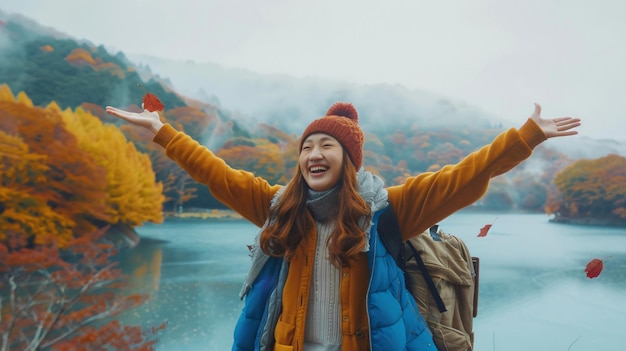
(146, 119)
(556, 127)
(429, 197)
(240, 190)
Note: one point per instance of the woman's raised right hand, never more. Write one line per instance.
(146, 119)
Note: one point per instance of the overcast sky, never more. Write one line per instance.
(568, 55)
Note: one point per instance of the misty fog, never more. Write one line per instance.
(290, 103)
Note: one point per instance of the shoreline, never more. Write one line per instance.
(126, 237)
(204, 214)
(591, 222)
(197, 213)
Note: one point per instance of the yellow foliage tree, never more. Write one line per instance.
(5, 93)
(133, 195)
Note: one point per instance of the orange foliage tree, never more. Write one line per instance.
(376, 160)
(191, 120)
(444, 154)
(179, 188)
(70, 182)
(21, 210)
(53, 299)
(592, 189)
(81, 57)
(262, 158)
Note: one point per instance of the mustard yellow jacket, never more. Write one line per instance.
(420, 202)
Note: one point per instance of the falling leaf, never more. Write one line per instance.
(594, 267)
(484, 230)
(152, 103)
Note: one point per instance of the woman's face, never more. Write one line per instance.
(321, 161)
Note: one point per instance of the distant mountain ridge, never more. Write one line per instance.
(267, 97)
(288, 102)
(34, 28)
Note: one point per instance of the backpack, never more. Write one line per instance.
(442, 276)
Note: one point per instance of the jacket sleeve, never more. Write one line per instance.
(241, 191)
(429, 197)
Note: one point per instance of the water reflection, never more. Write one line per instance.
(201, 268)
(143, 266)
(533, 290)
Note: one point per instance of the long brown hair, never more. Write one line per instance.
(291, 220)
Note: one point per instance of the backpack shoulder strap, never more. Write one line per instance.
(389, 233)
(427, 278)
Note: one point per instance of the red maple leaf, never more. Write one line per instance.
(152, 103)
(484, 230)
(594, 268)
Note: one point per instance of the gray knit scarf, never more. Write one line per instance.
(370, 187)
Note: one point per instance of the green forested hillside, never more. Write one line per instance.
(69, 73)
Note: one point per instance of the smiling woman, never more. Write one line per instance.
(318, 256)
(321, 161)
(324, 143)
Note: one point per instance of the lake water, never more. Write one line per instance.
(534, 294)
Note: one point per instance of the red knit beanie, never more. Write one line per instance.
(342, 123)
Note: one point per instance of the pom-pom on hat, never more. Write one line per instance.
(342, 123)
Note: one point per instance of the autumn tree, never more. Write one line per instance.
(444, 154)
(23, 210)
(270, 154)
(179, 187)
(192, 120)
(80, 57)
(259, 156)
(66, 299)
(133, 195)
(592, 189)
(74, 185)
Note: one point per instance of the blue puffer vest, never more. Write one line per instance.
(395, 321)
